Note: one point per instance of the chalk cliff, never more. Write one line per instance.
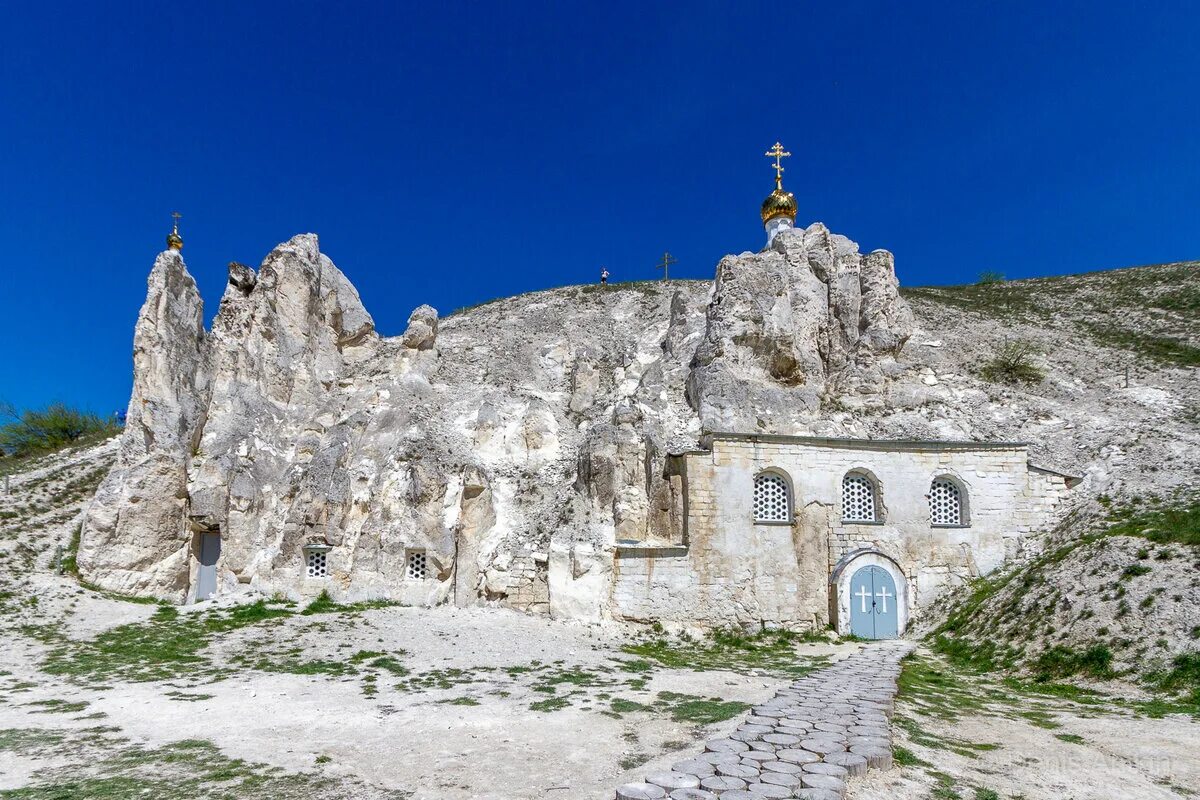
(517, 442)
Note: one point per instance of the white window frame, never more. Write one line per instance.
(310, 553)
(774, 475)
(411, 555)
(964, 508)
(876, 498)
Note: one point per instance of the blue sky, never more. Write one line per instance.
(450, 153)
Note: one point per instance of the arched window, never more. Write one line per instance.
(947, 502)
(772, 498)
(859, 498)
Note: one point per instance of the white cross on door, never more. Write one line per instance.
(883, 594)
(862, 594)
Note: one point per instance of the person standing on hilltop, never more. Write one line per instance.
(603, 276)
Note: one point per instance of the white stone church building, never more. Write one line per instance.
(803, 532)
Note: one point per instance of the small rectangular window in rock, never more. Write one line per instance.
(418, 565)
(316, 564)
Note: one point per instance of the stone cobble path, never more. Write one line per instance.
(805, 743)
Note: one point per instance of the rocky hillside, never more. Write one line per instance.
(1111, 597)
(517, 441)
(41, 505)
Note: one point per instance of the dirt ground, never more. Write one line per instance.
(102, 697)
(963, 735)
(473, 733)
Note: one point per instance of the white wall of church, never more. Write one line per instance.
(736, 571)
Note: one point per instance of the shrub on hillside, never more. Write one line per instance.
(1063, 662)
(990, 277)
(1177, 521)
(1012, 363)
(56, 426)
(1183, 677)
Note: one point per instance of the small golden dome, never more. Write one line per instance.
(174, 240)
(779, 204)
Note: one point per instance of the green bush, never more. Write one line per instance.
(1061, 662)
(1177, 522)
(1184, 676)
(1012, 363)
(33, 432)
(990, 277)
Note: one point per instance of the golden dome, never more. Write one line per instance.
(779, 204)
(174, 240)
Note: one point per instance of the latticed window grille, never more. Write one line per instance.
(316, 563)
(772, 500)
(858, 499)
(418, 565)
(945, 503)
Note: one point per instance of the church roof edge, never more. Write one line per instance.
(835, 441)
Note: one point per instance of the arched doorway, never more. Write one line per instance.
(874, 604)
(869, 595)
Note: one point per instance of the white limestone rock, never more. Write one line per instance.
(422, 328)
(134, 538)
(805, 319)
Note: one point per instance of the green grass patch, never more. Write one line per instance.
(1164, 349)
(189, 697)
(323, 604)
(769, 652)
(634, 760)
(1040, 719)
(1134, 571)
(620, 705)
(1182, 678)
(100, 766)
(58, 706)
(1062, 662)
(549, 704)
(68, 564)
(1173, 521)
(168, 645)
(697, 710)
(907, 758)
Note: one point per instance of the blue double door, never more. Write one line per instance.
(873, 604)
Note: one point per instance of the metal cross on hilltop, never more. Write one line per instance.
(778, 153)
(177, 217)
(666, 261)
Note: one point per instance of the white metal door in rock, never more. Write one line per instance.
(873, 613)
(206, 577)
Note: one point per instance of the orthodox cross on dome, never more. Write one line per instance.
(174, 240)
(664, 264)
(778, 153)
(779, 209)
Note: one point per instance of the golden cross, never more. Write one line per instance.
(176, 215)
(777, 152)
(667, 261)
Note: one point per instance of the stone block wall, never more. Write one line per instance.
(736, 571)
